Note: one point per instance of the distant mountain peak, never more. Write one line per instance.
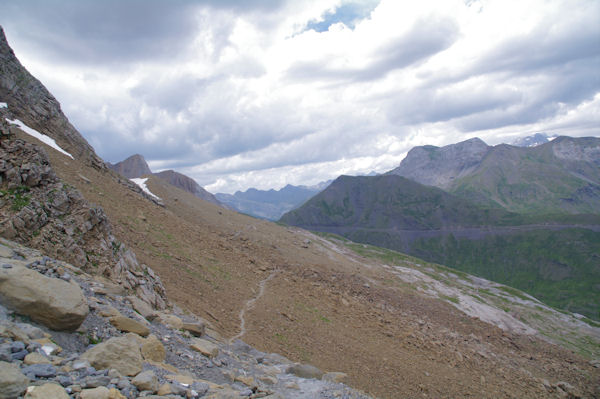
(533, 140)
(270, 204)
(439, 166)
(133, 167)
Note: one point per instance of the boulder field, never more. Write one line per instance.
(67, 334)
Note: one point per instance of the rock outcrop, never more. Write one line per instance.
(37, 209)
(31, 102)
(440, 166)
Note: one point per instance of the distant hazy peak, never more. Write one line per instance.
(533, 140)
(132, 167)
(586, 149)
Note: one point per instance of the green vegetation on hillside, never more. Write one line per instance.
(561, 268)
(555, 258)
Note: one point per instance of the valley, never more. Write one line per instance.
(393, 324)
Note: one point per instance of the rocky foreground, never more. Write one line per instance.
(67, 334)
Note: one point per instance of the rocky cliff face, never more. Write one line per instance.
(560, 176)
(30, 101)
(132, 167)
(440, 167)
(37, 209)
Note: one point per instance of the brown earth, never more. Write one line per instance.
(324, 305)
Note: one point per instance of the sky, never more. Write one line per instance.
(240, 94)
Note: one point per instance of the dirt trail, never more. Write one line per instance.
(249, 305)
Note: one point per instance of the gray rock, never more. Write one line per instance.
(40, 370)
(96, 381)
(305, 371)
(17, 346)
(200, 387)
(5, 353)
(64, 380)
(19, 355)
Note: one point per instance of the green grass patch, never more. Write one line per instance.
(452, 299)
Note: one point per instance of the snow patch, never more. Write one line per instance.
(41, 137)
(3, 105)
(142, 184)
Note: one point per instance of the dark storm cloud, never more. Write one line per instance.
(425, 39)
(114, 31)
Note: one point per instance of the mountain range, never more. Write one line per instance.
(270, 204)
(282, 312)
(527, 217)
(561, 176)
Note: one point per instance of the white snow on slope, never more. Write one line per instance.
(3, 105)
(41, 137)
(142, 183)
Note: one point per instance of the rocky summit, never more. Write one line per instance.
(132, 167)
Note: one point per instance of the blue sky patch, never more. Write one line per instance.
(349, 13)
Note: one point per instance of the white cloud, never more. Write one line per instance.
(248, 96)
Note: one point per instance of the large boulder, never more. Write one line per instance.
(205, 347)
(146, 381)
(55, 303)
(12, 382)
(46, 391)
(152, 349)
(120, 353)
(129, 325)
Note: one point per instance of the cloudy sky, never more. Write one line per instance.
(253, 93)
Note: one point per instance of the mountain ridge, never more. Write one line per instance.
(270, 204)
(560, 176)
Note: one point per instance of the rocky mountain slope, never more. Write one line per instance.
(270, 204)
(561, 176)
(31, 103)
(135, 166)
(396, 326)
(187, 184)
(90, 340)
